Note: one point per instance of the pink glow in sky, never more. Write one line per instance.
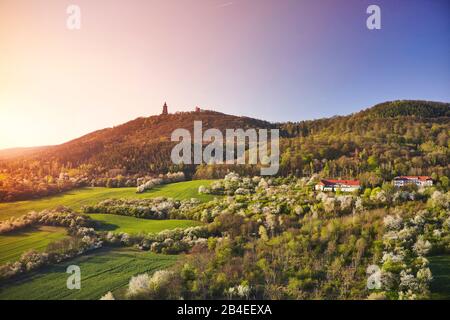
(127, 59)
(271, 59)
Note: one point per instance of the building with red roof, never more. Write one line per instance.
(334, 185)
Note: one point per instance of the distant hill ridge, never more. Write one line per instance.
(18, 152)
(408, 108)
(152, 134)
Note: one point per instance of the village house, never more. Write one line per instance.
(420, 181)
(334, 185)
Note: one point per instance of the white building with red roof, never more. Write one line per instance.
(421, 181)
(334, 185)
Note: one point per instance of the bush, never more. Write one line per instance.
(151, 183)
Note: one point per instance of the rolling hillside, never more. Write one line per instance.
(14, 244)
(114, 147)
(392, 138)
(103, 270)
(148, 134)
(88, 196)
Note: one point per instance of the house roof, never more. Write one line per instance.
(421, 178)
(330, 182)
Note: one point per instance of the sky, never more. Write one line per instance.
(277, 60)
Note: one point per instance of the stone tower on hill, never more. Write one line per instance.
(165, 111)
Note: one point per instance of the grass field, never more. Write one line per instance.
(14, 244)
(101, 271)
(116, 223)
(75, 199)
(440, 268)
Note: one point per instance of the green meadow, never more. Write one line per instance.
(77, 198)
(117, 223)
(440, 268)
(12, 245)
(101, 271)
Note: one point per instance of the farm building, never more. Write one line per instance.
(334, 185)
(421, 181)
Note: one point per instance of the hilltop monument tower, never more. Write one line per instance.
(165, 111)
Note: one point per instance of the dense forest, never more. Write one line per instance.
(374, 145)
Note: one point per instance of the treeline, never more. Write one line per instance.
(416, 108)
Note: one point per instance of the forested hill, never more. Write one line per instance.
(160, 127)
(401, 108)
(386, 112)
(374, 145)
(139, 146)
(144, 140)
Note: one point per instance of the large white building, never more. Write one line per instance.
(421, 181)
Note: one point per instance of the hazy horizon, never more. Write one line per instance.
(278, 61)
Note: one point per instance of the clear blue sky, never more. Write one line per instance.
(279, 60)
(345, 67)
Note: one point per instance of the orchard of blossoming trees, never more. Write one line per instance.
(279, 239)
(268, 238)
